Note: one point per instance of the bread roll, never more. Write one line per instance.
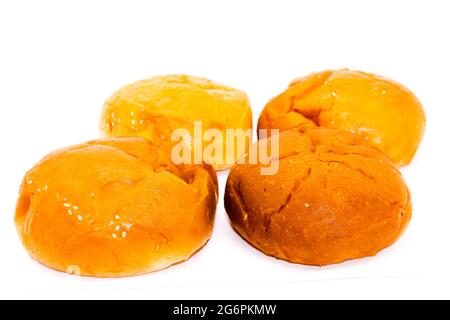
(156, 107)
(384, 112)
(334, 198)
(115, 208)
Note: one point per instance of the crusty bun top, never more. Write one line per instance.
(384, 112)
(334, 198)
(156, 107)
(115, 207)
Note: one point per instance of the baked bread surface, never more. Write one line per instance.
(334, 198)
(115, 207)
(156, 107)
(384, 112)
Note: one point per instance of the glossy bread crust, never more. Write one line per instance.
(384, 112)
(113, 208)
(154, 108)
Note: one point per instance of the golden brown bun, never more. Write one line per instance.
(334, 198)
(154, 108)
(384, 112)
(115, 208)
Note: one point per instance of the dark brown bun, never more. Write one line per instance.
(115, 208)
(334, 198)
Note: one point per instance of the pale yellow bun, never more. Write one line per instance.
(384, 112)
(156, 107)
(115, 208)
(334, 198)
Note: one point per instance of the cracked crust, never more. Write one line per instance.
(154, 108)
(115, 207)
(384, 112)
(335, 198)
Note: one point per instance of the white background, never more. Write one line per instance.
(59, 61)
